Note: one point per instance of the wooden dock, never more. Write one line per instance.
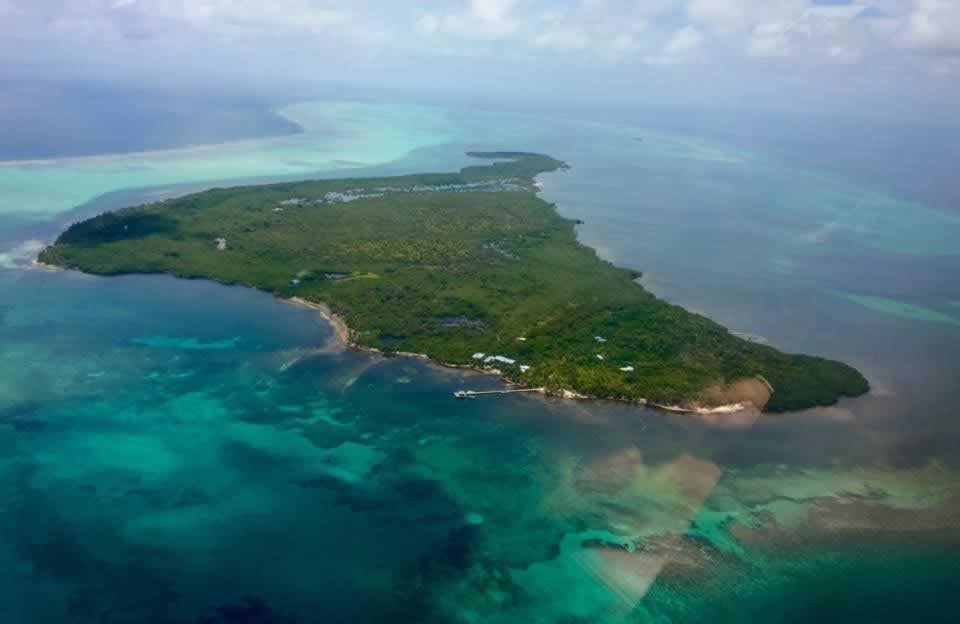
(472, 394)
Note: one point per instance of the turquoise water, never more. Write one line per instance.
(336, 136)
(178, 451)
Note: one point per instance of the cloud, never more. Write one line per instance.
(685, 42)
(492, 10)
(296, 15)
(209, 15)
(934, 24)
(682, 47)
(722, 15)
(774, 39)
(611, 31)
(564, 38)
(843, 54)
(835, 11)
(548, 45)
(481, 19)
(729, 17)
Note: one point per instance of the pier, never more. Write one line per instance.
(472, 394)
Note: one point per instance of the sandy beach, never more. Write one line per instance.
(340, 330)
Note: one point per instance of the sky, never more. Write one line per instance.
(875, 58)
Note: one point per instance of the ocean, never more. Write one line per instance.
(180, 451)
(57, 119)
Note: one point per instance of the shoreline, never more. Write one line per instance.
(341, 341)
(341, 332)
(341, 336)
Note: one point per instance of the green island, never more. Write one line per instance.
(470, 269)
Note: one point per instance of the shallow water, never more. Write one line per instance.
(335, 136)
(176, 450)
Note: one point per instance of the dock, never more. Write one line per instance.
(472, 394)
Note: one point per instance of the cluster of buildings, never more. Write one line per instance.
(490, 359)
(502, 359)
(336, 197)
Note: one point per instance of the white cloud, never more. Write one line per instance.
(722, 15)
(682, 47)
(480, 19)
(170, 17)
(292, 14)
(767, 47)
(773, 39)
(834, 11)
(492, 10)
(566, 39)
(729, 17)
(686, 41)
(587, 40)
(604, 30)
(428, 24)
(934, 24)
(843, 54)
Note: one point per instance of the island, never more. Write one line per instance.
(469, 269)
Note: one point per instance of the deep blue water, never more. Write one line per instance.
(57, 119)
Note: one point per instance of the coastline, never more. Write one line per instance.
(37, 265)
(341, 339)
(647, 389)
(341, 332)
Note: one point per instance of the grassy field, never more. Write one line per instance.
(451, 265)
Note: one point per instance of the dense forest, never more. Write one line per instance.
(453, 265)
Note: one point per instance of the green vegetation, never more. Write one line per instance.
(451, 265)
